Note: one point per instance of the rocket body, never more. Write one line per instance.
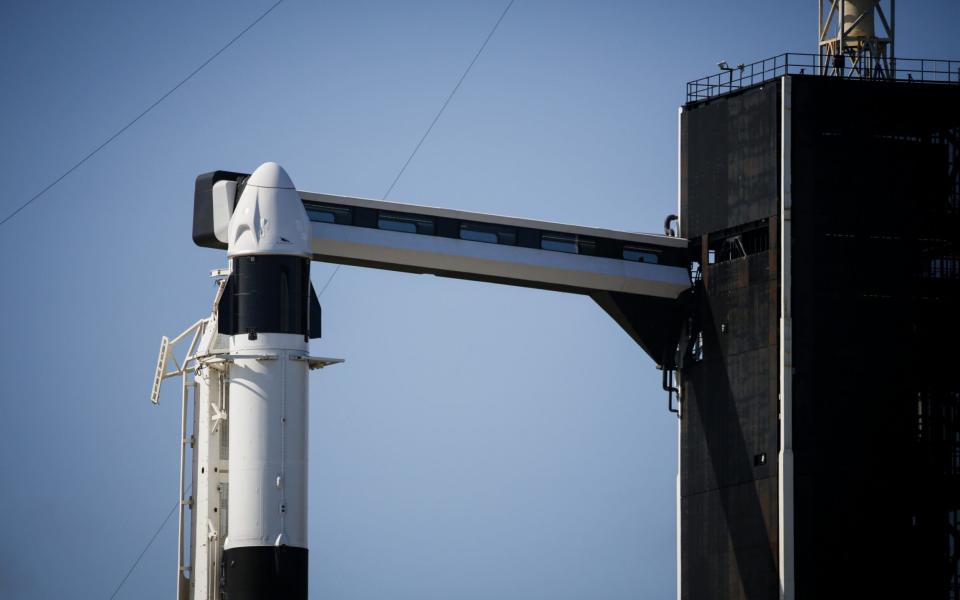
(265, 314)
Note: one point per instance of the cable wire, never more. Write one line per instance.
(337, 269)
(432, 123)
(90, 155)
(140, 116)
(144, 551)
(447, 101)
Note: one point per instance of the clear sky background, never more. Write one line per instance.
(481, 441)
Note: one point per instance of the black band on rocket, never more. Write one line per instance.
(266, 294)
(265, 572)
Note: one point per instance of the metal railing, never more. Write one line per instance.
(745, 75)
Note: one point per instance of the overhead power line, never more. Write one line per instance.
(119, 132)
(144, 551)
(90, 155)
(436, 118)
(423, 138)
(447, 101)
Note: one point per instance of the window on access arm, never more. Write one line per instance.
(405, 224)
(559, 243)
(490, 234)
(320, 213)
(640, 255)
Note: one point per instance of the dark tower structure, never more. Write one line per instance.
(820, 413)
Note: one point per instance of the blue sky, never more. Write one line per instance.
(481, 441)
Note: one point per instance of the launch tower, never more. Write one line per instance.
(820, 422)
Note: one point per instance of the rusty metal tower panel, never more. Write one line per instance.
(820, 427)
(730, 209)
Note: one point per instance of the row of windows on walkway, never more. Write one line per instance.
(479, 232)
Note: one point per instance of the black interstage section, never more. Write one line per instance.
(265, 573)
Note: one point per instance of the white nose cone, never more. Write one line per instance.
(270, 175)
(269, 217)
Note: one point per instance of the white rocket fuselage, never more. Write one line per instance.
(268, 442)
(266, 319)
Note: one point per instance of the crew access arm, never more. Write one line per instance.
(641, 280)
